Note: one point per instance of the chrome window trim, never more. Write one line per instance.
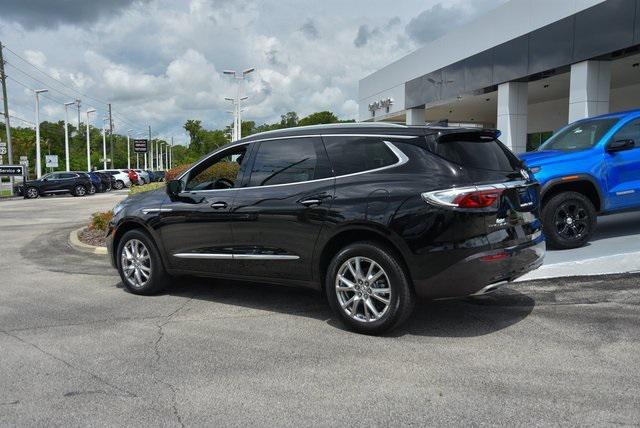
(227, 256)
(402, 159)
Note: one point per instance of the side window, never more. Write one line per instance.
(66, 175)
(630, 131)
(349, 155)
(217, 172)
(290, 160)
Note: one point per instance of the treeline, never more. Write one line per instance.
(202, 141)
(52, 142)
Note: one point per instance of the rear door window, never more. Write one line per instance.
(290, 160)
(475, 150)
(349, 155)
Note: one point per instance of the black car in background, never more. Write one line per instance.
(371, 216)
(106, 181)
(78, 184)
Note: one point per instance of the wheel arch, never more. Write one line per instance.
(134, 224)
(581, 183)
(355, 233)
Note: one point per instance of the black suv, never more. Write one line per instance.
(78, 184)
(370, 215)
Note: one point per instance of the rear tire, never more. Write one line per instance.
(119, 185)
(568, 220)
(364, 303)
(139, 264)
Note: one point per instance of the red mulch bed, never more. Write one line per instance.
(93, 237)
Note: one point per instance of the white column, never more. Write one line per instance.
(513, 105)
(415, 116)
(590, 89)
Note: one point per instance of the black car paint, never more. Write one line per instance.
(440, 247)
(47, 186)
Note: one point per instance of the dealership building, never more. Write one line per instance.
(527, 68)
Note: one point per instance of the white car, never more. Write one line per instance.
(121, 176)
(143, 175)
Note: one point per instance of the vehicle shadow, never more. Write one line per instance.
(469, 317)
(617, 225)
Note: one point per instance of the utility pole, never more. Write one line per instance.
(7, 121)
(78, 102)
(111, 136)
(171, 154)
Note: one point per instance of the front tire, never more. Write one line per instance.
(139, 264)
(568, 220)
(79, 190)
(31, 193)
(368, 288)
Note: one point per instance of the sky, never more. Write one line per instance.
(160, 62)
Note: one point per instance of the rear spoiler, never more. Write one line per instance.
(482, 134)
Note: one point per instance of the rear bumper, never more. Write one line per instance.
(477, 274)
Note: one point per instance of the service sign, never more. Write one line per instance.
(140, 146)
(11, 170)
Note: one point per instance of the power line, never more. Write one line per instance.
(51, 77)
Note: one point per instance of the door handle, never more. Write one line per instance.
(218, 205)
(311, 202)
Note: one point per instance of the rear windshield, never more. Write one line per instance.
(475, 151)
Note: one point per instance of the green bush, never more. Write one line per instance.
(100, 221)
(145, 187)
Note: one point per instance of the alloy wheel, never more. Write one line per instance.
(571, 220)
(80, 191)
(32, 193)
(363, 289)
(135, 262)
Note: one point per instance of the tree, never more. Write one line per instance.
(289, 120)
(318, 118)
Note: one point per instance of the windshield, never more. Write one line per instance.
(579, 136)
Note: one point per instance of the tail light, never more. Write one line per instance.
(466, 197)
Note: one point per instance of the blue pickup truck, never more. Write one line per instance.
(589, 168)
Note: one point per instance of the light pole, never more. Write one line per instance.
(129, 149)
(38, 161)
(104, 143)
(91, 110)
(240, 78)
(66, 133)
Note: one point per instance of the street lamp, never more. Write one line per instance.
(104, 142)
(129, 149)
(91, 110)
(66, 133)
(38, 162)
(239, 77)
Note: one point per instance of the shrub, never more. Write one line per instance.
(145, 188)
(175, 171)
(100, 221)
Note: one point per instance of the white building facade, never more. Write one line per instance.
(527, 68)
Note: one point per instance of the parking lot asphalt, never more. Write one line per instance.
(77, 349)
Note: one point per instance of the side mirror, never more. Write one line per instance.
(621, 145)
(174, 188)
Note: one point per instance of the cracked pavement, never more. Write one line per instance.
(78, 350)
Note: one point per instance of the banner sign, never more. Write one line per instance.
(51, 161)
(140, 146)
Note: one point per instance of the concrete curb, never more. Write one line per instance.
(75, 242)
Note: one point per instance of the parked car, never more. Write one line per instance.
(56, 183)
(589, 168)
(152, 175)
(121, 178)
(143, 176)
(133, 177)
(105, 181)
(370, 215)
(159, 175)
(96, 181)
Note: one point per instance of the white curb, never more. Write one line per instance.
(75, 242)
